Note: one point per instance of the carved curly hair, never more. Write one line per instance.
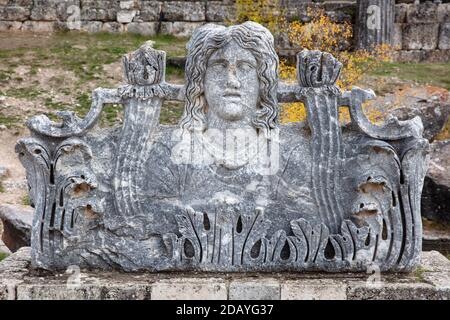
(209, 38)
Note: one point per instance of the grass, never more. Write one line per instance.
(3, 255)
(24, 93)
(425, 73)
(10, 121)
(26, 201)
(2, 188)
(84, 55)
(418, 273)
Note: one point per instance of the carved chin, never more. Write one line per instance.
(232, 112)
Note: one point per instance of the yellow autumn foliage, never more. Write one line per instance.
(320, 33)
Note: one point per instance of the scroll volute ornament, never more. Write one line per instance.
(317, 69)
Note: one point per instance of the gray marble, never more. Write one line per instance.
(229, 188)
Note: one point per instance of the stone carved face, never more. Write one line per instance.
(231, 85)
(230, 98)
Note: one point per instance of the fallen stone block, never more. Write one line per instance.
(17, 222)
(436, 190)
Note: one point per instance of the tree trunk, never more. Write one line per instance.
(374, 23)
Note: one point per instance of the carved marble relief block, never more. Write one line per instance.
(229, 188)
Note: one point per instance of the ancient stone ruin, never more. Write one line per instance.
(229, 188)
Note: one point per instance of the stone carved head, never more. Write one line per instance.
(144, 66)
(231, 76)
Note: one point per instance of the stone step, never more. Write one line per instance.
(430, 281)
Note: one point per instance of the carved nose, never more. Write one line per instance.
(233, 82)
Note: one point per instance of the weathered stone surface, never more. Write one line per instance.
(10, 25)
(261, 289)
(400, 12)
(113, 27)
(43, 14)
(444, 36)
(17, 3)
(422, 13)
(17, 263)
(83, 292)
(190, 289)
(126, 16)
(17, 222)
(100, 4)
(313, 290)
(433, 261)
(91, 26)
(229, 188)
(144, 28)
(420, 36)
(397, 36)
(393, 291)
(128, 4)
(89, 14)
(436, 190)
(148, 11)
(14, 13)
(17, 281)
(433, 110)
(12, 271)
(68, 10)
(183, 11)
(38, 26)
(443, 12)
(178, 28)
(430, 103)
(217, 11)
(438, 56)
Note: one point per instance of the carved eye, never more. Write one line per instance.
(218, 65)
(245, 66)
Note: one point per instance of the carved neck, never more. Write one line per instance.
(214, 122)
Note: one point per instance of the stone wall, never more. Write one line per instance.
(422, 31)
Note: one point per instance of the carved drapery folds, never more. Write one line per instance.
(317, 73)
(116, 199)
(142, 99)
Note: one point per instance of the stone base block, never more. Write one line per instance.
(19, 281)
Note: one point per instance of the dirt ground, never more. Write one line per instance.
(23, 40)
(15, 183)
